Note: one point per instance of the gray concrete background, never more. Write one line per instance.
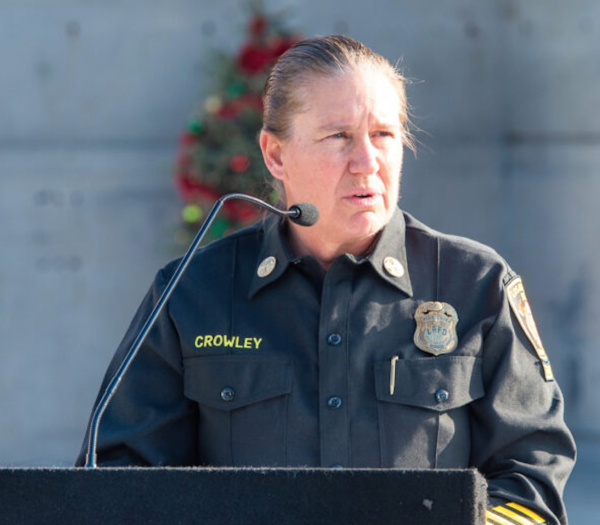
(94, 93)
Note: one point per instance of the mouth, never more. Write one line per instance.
(363, 192)
(364, 197)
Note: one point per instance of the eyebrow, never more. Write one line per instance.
(331, 126)
(342, 126)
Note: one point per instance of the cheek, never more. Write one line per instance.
(314, 172)
(394, 169)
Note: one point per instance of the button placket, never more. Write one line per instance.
(333, 367)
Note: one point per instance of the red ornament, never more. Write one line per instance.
(187, 138)
(232, 108)
(229, 110)
(254, 59)
(239, 163)
(191, 190)
(281, 44)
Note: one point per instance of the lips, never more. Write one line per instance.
(363, 192)
(364, 196)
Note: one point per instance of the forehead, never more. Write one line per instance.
(363, 91)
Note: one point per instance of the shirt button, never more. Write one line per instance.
(227, 394)
(334, 402)
(442, 395)
(334, 339)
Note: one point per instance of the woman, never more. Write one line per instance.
(367, 340)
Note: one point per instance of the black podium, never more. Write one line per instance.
(234, 496)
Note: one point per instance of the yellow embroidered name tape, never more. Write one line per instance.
(227, 341)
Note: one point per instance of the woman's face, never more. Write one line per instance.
(344, 155)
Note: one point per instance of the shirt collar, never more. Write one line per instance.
(274, 245)
(388, 257)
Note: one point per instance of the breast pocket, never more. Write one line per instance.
(243, 408)
(424, 421)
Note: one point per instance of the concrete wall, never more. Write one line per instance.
(94, 93)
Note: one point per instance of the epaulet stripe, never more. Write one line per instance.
(535, 517)
(515, 515)
(493, 519)
(517, 518)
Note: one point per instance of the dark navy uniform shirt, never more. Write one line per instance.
(263, 359)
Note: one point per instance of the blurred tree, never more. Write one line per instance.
(218, 151)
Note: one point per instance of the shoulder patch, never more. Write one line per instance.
(520, 306)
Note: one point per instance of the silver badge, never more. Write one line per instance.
(436, 328)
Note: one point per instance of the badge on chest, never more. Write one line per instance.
(436, 328)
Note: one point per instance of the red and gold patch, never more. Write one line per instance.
(520, 306)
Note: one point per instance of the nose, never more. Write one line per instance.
(363, 156)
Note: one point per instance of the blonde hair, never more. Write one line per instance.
(322, 57)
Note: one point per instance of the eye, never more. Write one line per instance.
(384, 133)
(340, 135)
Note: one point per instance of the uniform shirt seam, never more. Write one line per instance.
(348, 369)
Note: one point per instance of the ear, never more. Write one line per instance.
(271, 148)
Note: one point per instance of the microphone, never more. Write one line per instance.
(307, 214)
(303, 214)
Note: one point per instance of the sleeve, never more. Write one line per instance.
(148, 422)
(519, 438)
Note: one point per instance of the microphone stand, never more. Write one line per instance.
(91, 456)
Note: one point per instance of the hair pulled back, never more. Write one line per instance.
(285, 88)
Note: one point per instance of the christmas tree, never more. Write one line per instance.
(218, 151)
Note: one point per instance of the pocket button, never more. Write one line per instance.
(227, 394)
(442, 395)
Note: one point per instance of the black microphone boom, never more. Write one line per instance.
(304, 214)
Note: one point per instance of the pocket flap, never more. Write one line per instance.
(227, 382)
(437, 383)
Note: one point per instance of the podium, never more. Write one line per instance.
(247, 496)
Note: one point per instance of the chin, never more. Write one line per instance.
(371, 222)
(367, 228)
